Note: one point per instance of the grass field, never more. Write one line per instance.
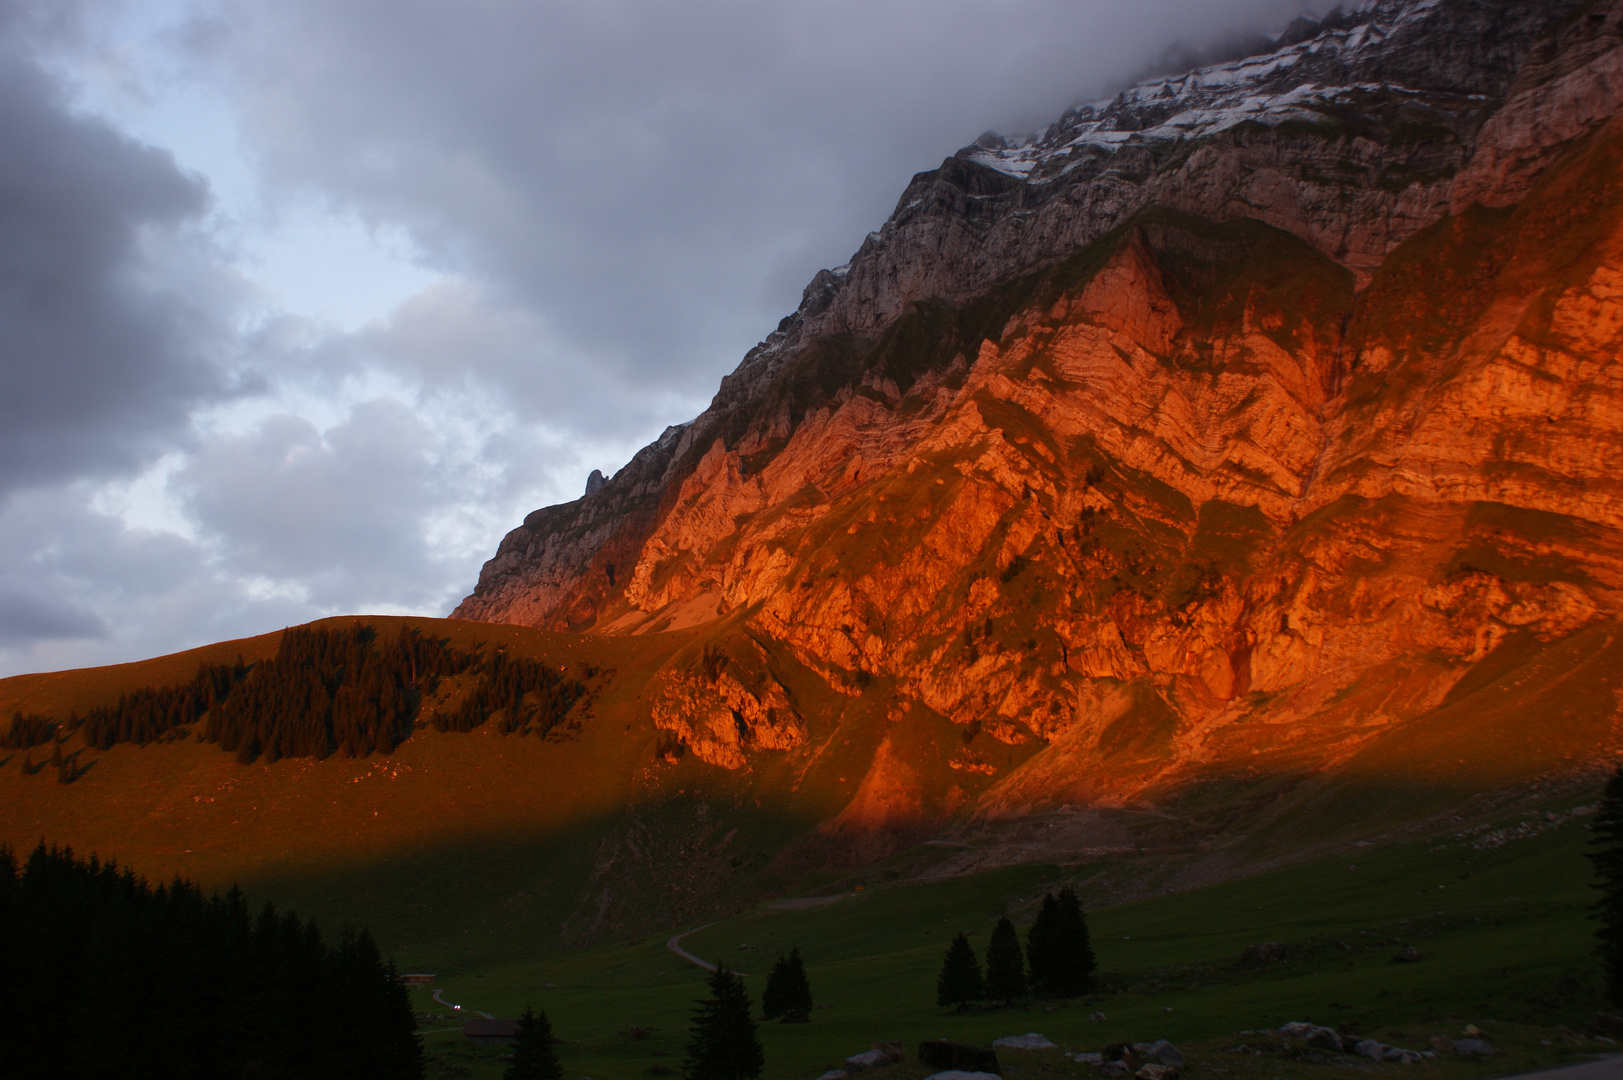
(1503, 931)
(483, 858)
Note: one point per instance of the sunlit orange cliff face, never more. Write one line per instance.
(1262, 419)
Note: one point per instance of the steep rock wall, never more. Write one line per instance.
(1153, 450)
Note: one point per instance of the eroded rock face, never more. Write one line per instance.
(1250, 408)
(719, 718)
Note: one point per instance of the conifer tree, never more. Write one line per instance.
(1607, 858)
(535, 1056)
(787, 990)
(722, 1044)
(1058, 951)
(960, 981)
(1005, 967)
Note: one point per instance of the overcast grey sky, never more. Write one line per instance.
(304, 303)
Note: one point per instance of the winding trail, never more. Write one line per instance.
(438, 990)
(674, 943)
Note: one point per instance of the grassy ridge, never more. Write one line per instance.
(481, 856)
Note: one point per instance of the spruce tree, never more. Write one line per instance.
(1005, 968)
(787, 990)
(1607, 858)
(1058, 951)
(774, 999)
(1039, 945)
(960, 981)
(722, 1043)
(534, 1055)
(800, 995)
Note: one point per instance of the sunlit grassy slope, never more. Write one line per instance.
(489, 859)
(448, 822)
(469, 847)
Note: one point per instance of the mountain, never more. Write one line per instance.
(1226, 473)
(1265, 408)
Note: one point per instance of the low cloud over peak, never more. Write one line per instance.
(562, 222)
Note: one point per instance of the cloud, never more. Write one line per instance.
(338, 512)
(29, 617)
(610, 202)
(101, 357)
(650, 185)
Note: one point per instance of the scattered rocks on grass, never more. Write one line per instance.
(1153, 1071)
(1114, 1068)
(834, 1074)
(945, 1054)
(1263, 953)
(1473, 1048)
(1031, 1040)
(868, 1059)
(1086, 1058)
(1317, 1036)
(1322, 1038)
(1125, 1054)
(1161, 1052)
(1376, 1050)
(1408, 955)
(1097, 1017)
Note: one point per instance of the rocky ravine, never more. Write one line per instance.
(1247, 413)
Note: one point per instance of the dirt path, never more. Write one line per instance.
(674, 943)
(438, 990)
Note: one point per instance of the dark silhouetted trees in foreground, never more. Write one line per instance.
(535, 1055)
(722, 1044)
(788, 991)
(960, 981)
(1057, 949)
(327, 690)
(1607, 858)
(1058, 952)
(1005, 968)
(104, 975)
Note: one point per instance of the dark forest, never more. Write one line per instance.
(326, 691)
(102, 974)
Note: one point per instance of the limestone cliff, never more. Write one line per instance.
(1247, 413)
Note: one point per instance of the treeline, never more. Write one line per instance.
(101, 974)
(529, 695)
(1058, 961)
(327, 690)
(149, 714)
(29, 729)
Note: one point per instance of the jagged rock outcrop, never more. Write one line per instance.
(720, 708)
(1249, 409)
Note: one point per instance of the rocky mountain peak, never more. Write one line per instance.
(1265, 397)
